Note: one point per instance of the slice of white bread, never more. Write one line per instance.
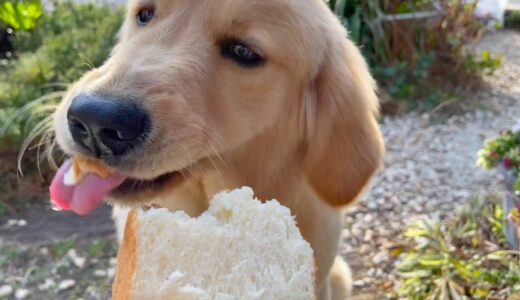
(239, 249)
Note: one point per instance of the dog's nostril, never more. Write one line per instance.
(112, 134)
(80, 128)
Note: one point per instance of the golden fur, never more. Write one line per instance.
(301, 128)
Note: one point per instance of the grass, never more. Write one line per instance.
(61, 248)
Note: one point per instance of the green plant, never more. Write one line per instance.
(61, 248)
(459, 258)
(486, 64)
(102, 248)
(7, 256)
(512, 19)
(3, 211)
(503, 150)
(20, 14)
(67, 42)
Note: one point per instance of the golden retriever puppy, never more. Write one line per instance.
(200, 96)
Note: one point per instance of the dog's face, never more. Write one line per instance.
(192, 80)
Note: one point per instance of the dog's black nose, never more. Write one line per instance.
(103, 124)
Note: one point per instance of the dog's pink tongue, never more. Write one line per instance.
(86, 195)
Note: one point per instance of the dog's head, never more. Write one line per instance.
(190, 81)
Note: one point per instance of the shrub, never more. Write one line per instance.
(460, 258)
(512, 19)
(67, 41)
(418, 49)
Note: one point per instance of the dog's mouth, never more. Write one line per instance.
(84, 195)
(132, 186)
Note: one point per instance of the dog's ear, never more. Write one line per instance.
(344, 146)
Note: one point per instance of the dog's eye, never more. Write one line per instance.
(241, 53)
(145, 15)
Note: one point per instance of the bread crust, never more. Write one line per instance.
(126, 261)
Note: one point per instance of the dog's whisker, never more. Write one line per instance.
(50, 149)
(215, 166)
(41, 127)
(216, 148)
(214, 143)
(213, 147)
(49, 142)
(42, 142)
(190, 161)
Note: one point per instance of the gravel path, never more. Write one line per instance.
(430, 168)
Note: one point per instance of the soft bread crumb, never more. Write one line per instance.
(239, 249)
(175, 276)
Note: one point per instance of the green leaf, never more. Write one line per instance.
(465, 270)
(501, 254)
(514, 212)
(20, 14)
(355, 25)
(480, 292)
(418, 274)
(409, 262)
(431, 260)
(416, 232)
(486, 55)
(339, 7)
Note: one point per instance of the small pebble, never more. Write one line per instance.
(368, 218)
(76, 259)
(113, 261)
(380, 257)
(111, 272)
(100, 273)
(365, 249)
(6, 290)
(66, 284)
(16, 223)
(379, 273)
(359, 283)
(46, 285)
(44, 251)
(345, 234)
(22, 293)
(369, 235)
(372, 205)
(388, 284)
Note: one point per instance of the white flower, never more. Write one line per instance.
(516, 127)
